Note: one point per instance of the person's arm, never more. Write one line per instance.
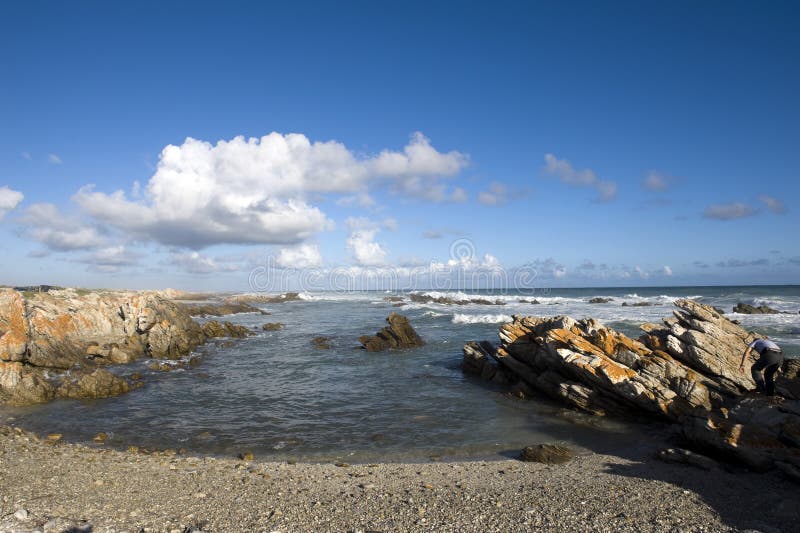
(744, 356)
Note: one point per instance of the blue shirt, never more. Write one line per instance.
(760, 345)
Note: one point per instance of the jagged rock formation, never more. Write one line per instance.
(684, 370)
(397, 335)
(45, 334)
(600, 300)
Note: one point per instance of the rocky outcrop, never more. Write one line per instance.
(272, 326)
(54, 343)
(600, 300)
(747, 309)
(397, 335)
(684, 370)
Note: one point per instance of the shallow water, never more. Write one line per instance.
(277, 395)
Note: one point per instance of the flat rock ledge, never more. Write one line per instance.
(397, 335)
(57, 343)
(684, 370)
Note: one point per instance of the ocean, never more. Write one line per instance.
(276, 395)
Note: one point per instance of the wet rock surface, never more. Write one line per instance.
(747, 309)
(684, 370)
(272, 326)
(399, 334)
(551, 454)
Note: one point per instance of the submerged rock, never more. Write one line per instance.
(397, 335)
(637, 304)
(552, 454)
(99, 384)
(321, 343)
(600, 300)
(747, 309)
(272, 326)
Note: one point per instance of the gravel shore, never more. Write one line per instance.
(53, 486)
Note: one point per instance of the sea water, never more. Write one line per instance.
(278, 396)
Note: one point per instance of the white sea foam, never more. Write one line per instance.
(459, 318)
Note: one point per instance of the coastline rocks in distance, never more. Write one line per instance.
(600, 300)
(264, 298)
(747, 309)
(684, 371)
(637, 304)
(272, 326)
(397, 335)
(221, 308)
(446, 300)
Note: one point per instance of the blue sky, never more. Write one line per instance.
(622, 143)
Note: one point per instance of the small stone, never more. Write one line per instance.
(246, 456)
(100, 437)
(55, 437)
(200, 495)
(21, 514)
(342, 465)
(547, 453)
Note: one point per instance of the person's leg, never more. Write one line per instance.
(755, 371)
(773, 360)
(769, 377)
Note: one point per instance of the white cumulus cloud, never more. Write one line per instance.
(361, 242)
(300, 256)
(248, 191)
(667, 271)
(9, 199)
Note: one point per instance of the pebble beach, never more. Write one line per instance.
(49, 485)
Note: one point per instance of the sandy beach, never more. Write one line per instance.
(69, 487)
